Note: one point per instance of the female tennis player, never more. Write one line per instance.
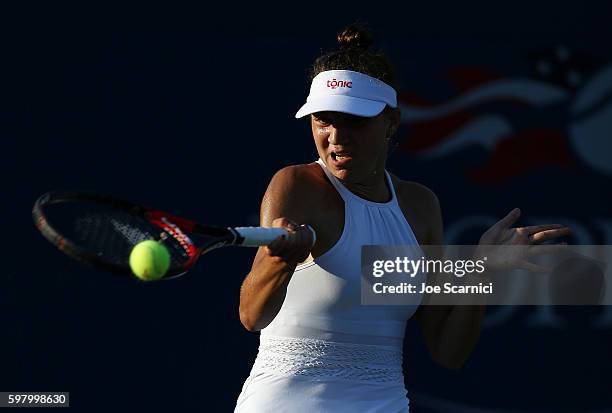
(320, 350)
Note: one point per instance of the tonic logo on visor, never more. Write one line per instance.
(333, 84)
(349, 92)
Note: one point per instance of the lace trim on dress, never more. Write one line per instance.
(321, 360)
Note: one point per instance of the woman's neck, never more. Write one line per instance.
(374, 188)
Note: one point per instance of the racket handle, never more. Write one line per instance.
(258, 236)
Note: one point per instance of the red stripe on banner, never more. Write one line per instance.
(412, 99)
(423, 135)
(523, 152)
(465, 78)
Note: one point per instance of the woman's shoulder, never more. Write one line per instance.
(414, 192)
(303, 178)
(307, 170)
(302, 194)
(300, 186)
(421, 208)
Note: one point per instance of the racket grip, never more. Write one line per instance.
(258, 236)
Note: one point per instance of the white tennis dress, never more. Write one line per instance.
(324, 351)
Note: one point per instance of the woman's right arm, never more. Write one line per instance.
(285, 204)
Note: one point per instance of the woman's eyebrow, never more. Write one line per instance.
(325, 118)
(338, 118)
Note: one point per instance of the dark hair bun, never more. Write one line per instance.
(355, 36)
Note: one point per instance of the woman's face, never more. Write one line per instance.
(353, 147)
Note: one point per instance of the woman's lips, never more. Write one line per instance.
(340, 159)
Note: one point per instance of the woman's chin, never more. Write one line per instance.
(345, 175)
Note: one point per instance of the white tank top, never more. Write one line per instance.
(323, 298)
(324, 350)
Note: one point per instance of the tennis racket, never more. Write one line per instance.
(101, 230)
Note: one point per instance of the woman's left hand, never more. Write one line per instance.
(495, 241)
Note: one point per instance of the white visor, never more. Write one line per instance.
(348, 92)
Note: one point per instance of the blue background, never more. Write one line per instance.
(193, 112)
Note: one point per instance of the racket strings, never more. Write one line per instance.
(110, 233)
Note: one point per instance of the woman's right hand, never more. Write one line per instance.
(296, 246)
(264, 288)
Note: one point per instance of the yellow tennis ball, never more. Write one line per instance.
(149, 260)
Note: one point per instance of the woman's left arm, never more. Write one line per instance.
(450, 331)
